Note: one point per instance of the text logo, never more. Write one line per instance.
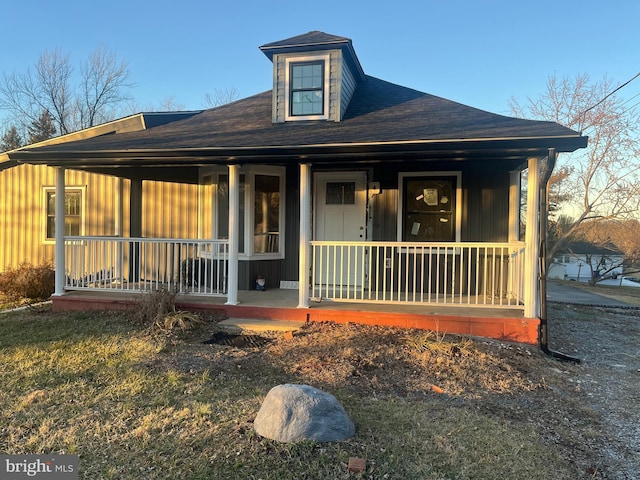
(46, 467)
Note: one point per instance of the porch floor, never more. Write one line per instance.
(281, 304)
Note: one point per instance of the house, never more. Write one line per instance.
(346, 189)
(583, 262)
(27, 194)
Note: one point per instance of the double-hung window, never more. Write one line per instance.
(73, 212)
(307, 95)
(307, 88)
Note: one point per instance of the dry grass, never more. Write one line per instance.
(134, 405)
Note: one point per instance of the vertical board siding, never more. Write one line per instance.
(292, 225)
(169, 210)
(347, 88)
(22, 210)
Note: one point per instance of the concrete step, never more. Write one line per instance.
(256, 325)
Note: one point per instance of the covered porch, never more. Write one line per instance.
(471, 288)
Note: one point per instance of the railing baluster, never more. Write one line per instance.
(382, 272)
(137, 264)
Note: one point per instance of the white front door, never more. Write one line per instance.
(341, 216)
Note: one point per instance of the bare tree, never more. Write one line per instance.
(104, 81)
(170, 104)
(220, 97)
(50, 87)
(601, 182)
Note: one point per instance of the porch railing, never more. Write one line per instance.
(466, 274)
(144, 264)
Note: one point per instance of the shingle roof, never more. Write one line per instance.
(317, 41)
(307, 39)
(379, 112)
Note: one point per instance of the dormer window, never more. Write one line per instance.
(307, 87)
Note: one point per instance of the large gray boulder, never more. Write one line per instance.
(291, 413)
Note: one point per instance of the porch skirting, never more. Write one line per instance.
(500, 324)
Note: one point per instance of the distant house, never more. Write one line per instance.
(583, 261)
(338, 185)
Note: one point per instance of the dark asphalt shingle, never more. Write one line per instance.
(379, 112)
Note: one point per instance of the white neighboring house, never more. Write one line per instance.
(580, 267)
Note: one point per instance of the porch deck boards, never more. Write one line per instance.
(280, 304)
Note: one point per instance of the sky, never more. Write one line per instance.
(480, 53)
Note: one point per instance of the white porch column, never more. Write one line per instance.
(234, 232)
(59, 234)
(514, 206)
(305, 235)
(532, 240)
(119, 229)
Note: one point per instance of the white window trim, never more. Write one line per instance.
(68, 188)
(249, 173)
(403, 175)
(287, 98)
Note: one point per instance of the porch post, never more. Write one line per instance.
(234, 232)
(119, 229)
(305, 235)
(59, 233)
(532, 240)
(135, 229)
(514, 206)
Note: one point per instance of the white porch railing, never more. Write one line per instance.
(463, 274)
(144, 264)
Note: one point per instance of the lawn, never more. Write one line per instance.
(134, 403)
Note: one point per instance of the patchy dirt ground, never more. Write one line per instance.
(590, 412)
(607, 340)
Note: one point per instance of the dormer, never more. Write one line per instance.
(314, 77)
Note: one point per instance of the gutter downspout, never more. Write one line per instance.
(544, 227)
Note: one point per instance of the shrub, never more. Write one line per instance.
(157, 309)
(27, 281)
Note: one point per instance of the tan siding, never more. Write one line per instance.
(22, 210)
(169, 210)
(335, 60)
(205, 209)
(279, 88)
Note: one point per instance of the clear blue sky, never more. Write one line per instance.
(476, 52)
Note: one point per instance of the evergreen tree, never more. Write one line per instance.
(42, 128)
(11, 139)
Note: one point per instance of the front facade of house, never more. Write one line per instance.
(336, 184)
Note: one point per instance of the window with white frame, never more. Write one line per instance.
(73, 212)
(430, 207)
(261, 226)
(307, 95)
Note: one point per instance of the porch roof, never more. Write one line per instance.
(383, 121)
